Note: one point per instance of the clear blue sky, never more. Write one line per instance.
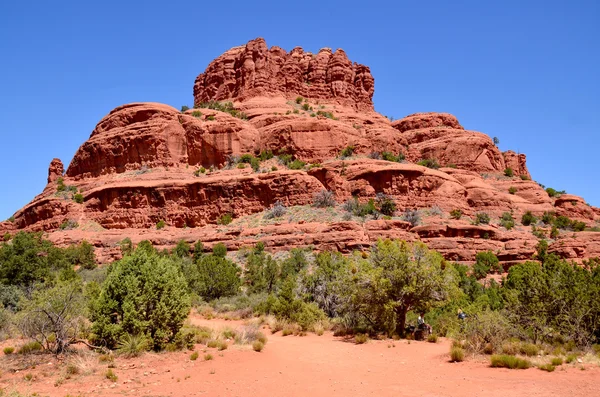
(525, 71)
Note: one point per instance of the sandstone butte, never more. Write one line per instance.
(150, 162)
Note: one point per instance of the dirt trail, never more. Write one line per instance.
(313, 366)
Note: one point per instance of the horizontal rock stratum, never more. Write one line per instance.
(149, 162)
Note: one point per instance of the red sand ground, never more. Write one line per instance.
(307, 366)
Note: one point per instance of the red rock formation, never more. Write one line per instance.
(142, 163)
(56, 170)
(255, 70)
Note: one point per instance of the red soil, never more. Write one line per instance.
(311, 365)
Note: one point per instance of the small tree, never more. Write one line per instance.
(144, 293)
(182, 249)
(397, 277)
(216, 277)
(484, 263)
(54, 316)
(496, 141)
(508, 172)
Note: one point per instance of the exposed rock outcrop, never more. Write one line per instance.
(149, 162)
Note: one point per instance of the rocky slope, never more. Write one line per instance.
(149, 162)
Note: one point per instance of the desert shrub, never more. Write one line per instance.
(8, 350)
(429, 163)
(548, 218)
(266, 155)
(524, 177)
(215, 277)
(506, 361)
(553, 192)
(496, 141)
(306, 107)
(132, 345)
(529, 349)
(255, 164)
(30, 347)
(348, 151)
(54, 315)
(456, 214)
(411, 216)
(457, 354)
(226, 107)
(276, 211)
(486, 327)
(194, 356)
(323, 199)
(374, 155)
(571, 358)
(184, 108)
(225, 219)
(241, 166)
(556, 361)
(246, 158)
(160, 224)
(110, 375)
(547, 367)
(507, 221)
(528, 218)
(512, 190)
(385, 204)
(482, 218)
(78, 197)
(69, 224)
(141, 280)
(208, 357)
(299, 100)
(432, 338)
(258, 346)
(388, 156)
(486, 262)
(296, 165)
(359, 339)
(509, 172)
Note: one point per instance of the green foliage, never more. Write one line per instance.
(329, 115)
(388, 156)
(506, 361)
(225, 219)
(278, 210)
(69, 224)
(507, 221)
(556, 361)
(78, 197)
(457, 354)
(496, 141)
(81, 255)
(296, 165)
(482, 218)
(258, 346)
(30, 259)
(484, 263)
(132, 345)
(429, 163)
(348, 151)
(246, 158)
(198, 250)
(528, 219)
(285, 159)
(554, 233)
(220, 250)
(8, 350)
(215, 277)
(396, 278)
(160, 224)
(306, 107)
(110, 375)
(226, 107)
(547, 367)
(184, 108)
(266, 155)
(194, 356)
(555, 298)
(299, 100)
(385, 204)
(456, 214)
(512, 190)
(182, 249)
(554, 193)
(126, 246)
(509, 172)
(548, 218)
(255, 164)
(261, 273)
(30, 347)
(54, 315)
(143, 294)
(322, 284)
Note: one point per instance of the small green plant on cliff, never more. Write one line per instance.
(429, 163)
(456, 214)
(389, 156)
(528, 219)
(160, 224)
(296, 165)
(512, 190)
(554, 193)
(184, 108)
(78, 197)
(197, 113)
(226, 219)
(509, 172)
(507, 221)
(69, 224)
(482, 217)
(347, 152)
